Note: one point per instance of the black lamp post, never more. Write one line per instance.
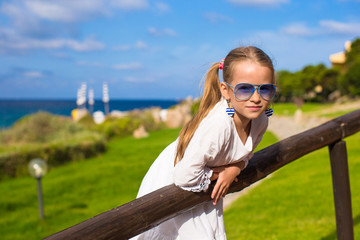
(37, 169)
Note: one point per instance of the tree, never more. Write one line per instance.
(284, 85)
(354, 54)
(329, 82)
(350, 81)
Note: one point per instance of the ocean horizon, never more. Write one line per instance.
(11, 110)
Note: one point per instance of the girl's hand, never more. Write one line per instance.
(225, 176)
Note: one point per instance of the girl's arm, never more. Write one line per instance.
(225, 176)
(192, 172)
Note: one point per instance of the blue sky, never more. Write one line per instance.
(148, 49)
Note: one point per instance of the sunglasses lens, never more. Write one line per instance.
(267, 91)
(243, 91)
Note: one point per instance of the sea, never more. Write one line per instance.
(12, 110)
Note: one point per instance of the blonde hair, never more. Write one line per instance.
(212, 93)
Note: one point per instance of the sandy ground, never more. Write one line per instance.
(284, 127)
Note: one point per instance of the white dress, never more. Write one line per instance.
(215, 143)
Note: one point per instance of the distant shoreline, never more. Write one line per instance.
(11, 110)
(99, 99)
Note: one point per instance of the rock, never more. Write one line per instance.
(179, 115)
(174, 118)
(334, 96)
(156, 114)
(140, 132)
(99, 117)
(118, 114)
(163, 115)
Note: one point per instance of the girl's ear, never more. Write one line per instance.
(225, 90)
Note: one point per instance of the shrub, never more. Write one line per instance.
(350, 83)
(118, 126)
(195, 107)
(41, 127)
(56, 139)
(125, 126)
(14, 164)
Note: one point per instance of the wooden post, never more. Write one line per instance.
(341, 187)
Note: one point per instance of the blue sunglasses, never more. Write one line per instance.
(244, 91)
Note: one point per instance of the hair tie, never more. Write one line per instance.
(221, 63)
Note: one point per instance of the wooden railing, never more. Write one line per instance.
(152, 209)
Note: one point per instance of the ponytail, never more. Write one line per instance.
(210, 97)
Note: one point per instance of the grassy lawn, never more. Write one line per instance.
(315, 109)
(296, 202)
(288, 109)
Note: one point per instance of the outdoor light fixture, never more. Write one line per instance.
(37, 169)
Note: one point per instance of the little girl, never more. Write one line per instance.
(216, 144)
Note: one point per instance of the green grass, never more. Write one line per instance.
(289, 109)
(338, 113)
(296, 202)
(313, 109)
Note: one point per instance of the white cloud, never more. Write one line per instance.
(162, 7)
(140, 45)
(214, 17)
(130, 4)
(293, 52)
(297, 29)
(60, 55)
(334, 27)
(156, 32)
(87, 45)
(122, 48)
(66, 11)
(90, 64)
(41, 24)
(139, 80)
(10, 40)
(51, 10)
(325, 27)
(128, 66)
(260, 3)
(170, 32)
(33, 74)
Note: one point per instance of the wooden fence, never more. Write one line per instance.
(152, 209)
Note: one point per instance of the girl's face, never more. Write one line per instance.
(253, 73)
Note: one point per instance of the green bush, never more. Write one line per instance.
(125, 126)
(195, 107)
(350, 81)
(56, 139)
(41, 127)
(14, 164)
(118, 126)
